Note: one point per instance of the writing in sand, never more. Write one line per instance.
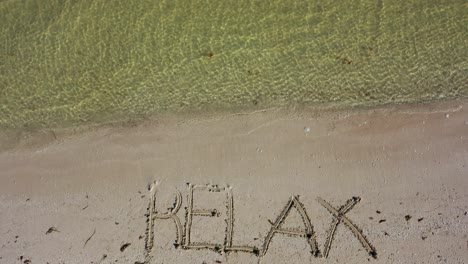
(185, 241)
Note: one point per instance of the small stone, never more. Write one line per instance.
(447, 115)
(306, 129)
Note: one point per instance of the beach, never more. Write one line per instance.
(213, 132)
(279, 185)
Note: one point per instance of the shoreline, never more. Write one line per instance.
(261, 187)
(40, 136)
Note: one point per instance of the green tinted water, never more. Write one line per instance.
(68, 62)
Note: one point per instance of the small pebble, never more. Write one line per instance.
(447, 115)
(306, 129)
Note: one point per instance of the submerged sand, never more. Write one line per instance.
(385, 185)
(75, 62)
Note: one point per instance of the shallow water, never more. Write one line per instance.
(69, 62)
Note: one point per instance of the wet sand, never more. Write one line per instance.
(380, 185)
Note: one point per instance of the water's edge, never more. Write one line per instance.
(36, 137)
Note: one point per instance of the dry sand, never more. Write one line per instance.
(385, 185)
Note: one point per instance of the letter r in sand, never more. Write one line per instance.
(153, 215)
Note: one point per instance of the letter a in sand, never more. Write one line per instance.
(308, 233)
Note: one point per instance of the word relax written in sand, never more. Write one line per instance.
(184, 240)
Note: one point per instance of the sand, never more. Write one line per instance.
(380, 185)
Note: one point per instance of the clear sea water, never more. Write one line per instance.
(65, 62)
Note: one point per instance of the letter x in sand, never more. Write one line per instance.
(339, 216)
